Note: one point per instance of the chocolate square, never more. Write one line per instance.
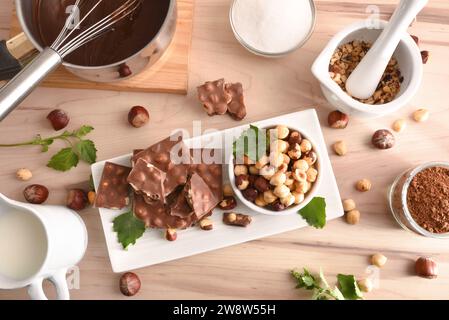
(199, 196)
(148, 180)
(113, 191)
(208, 164)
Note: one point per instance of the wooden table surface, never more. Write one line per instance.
(258, 269)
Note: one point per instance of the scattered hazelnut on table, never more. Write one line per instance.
(138, 116)
(379, 260)
(206, 224)
(363, 185)
(399, 125)
(36, 194)
(77, 199)
(353, 217)
(365, 285)
(340, 148)
(24, 174)
(426, 268)
(421, 115)
(91, 196)
(58, 119)
(425, 56)
(338, 120)
(129, 284)
(171, 234)
(348, 205)
(383, 139)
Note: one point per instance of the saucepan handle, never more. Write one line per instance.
(36, 291)
(15, 53)
(16, 90)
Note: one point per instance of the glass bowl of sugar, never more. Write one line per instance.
(272, 28)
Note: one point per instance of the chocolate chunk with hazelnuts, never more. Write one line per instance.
(236, 219)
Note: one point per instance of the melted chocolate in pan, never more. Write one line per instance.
(129, 36)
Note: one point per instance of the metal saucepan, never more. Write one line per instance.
(14, 92)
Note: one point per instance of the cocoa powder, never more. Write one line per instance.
(428, 199)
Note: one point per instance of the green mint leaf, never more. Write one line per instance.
(83, 131)
(315, 213)
(128, 229)
(305, 280)
(87, 151)
(64, 160)
(348, 287)
(252, 143)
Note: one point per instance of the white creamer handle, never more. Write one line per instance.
(59, 280)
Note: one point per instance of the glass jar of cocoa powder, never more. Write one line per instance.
(419, 200)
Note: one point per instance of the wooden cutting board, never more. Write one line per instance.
(168, 75)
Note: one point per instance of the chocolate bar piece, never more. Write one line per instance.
(207, 163)
(156, 215)
(172, 157)
(199, 196)
(179, 207)
(214, 97)
(236, 108)
(113, 192)
(146, 179)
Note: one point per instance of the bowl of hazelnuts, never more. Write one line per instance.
(275, 170)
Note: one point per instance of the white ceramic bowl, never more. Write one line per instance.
(292, 209)
(409, 59)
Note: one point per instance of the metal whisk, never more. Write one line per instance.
(13, 93)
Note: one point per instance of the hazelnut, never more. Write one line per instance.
(301, 165)
(288, 200)
(353, 217)
(58, 119)
(340, 148)
(227, 190)
(295, 152)
(281, 191)
(77, 199)
(312, 175)
(421, 115)
(299, 197)
(399, 125)
(250, 194)
(299, 175)
(35, 194)
(383, 139)
(269, 197)
(277, 206)
(171, 234)
(294, 138)
(310, 157)
(363, 185)
(302, 186)
(365, 285)
(282, 132)
(276, 159)
(279, 146)
(425, 56)
(240, 170)
(338, 120)
(261, 184)
(278, 179)
(228, 203)
(91, 195)
(24, 174)
(348, 205)
(242, 182)
(426, 268)
(206, 224)
(129, 284)
(283, 168)
(253, 170)
(379, 260)
(124, 71)
(306, 146)
(262, 162)
(260, 201)
(267, 172)
(287, 159)
(138, 116)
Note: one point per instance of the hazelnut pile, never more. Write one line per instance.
(346, 58)
(282, 177)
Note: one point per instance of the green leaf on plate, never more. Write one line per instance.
(315, 212)
(128, 229)
(83, 131)
(64, 160)
(87, 151)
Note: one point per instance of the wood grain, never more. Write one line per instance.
(258, 269)
(168, 75)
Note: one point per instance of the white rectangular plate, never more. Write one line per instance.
(152, 248)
